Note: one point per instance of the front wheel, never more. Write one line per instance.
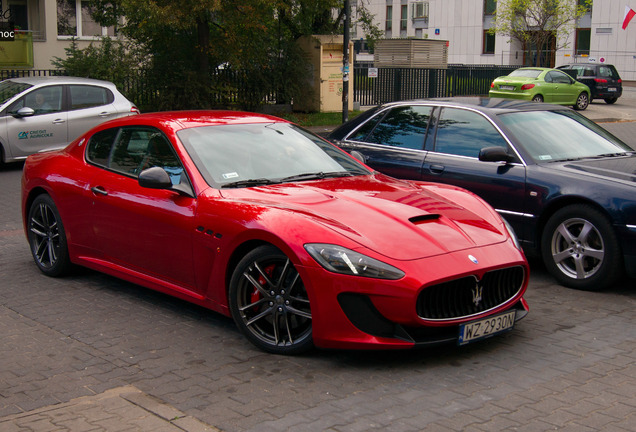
(582, 102)
(537, 98)
(47, 237)
(269, 302)
(580, 249)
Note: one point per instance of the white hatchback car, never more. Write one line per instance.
(44, 113)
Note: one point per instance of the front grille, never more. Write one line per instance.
(469, 296)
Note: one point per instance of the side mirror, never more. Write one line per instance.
(158, 178)
(495, 154)
(356, 154)
(25, 112)
(154, 178)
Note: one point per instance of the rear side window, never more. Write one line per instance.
(100, 145)
(403, 127)
(84, 96)
(465, 133)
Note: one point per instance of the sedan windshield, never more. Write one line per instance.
(258, 154)
(8, 89)
(561, 135)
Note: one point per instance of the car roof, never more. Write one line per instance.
(177, 120)
(46, 80)
(483, 104)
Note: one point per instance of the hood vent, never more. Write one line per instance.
(424, 218)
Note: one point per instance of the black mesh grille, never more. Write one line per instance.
(459, 298)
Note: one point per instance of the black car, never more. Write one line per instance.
(566, 185)
(602, 79)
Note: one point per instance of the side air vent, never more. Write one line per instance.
(423, 218)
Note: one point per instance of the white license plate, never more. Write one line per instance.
(480, 329)
(506, 87)
(611, 89)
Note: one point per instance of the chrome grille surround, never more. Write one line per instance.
(469, 296)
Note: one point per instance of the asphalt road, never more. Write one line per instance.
(92, 353)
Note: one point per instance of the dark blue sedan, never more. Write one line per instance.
(566, 185)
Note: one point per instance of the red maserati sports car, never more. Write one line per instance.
(255, 218)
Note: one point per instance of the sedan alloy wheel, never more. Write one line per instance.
(47, 238)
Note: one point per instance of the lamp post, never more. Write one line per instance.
(345, 62)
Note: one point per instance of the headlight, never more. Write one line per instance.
(515, 240)
(345, 261)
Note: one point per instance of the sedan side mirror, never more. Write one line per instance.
(25, 112)
(495, 154)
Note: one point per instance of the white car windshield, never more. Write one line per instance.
(254, 154)
(561, 135)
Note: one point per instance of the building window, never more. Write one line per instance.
(490, 7)
(74, 19)
(489, 43)
(583, 36)
(388, 26)
(404, 16)
(420, 10)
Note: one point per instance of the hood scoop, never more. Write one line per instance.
(417, 220)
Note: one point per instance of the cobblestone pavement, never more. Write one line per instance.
(92, 353)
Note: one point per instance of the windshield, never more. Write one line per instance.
(8, 89)
(528, 73)
(561, 135)
(254, 154)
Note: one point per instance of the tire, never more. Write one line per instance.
(47, 238)
(269, 303)
(537, 98)
(580, 248)
(610, 101)
(582, 102)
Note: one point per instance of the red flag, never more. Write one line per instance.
(629, 14)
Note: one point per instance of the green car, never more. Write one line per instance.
(541, 85)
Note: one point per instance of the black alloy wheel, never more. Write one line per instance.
(582, 102)
(47, 237)
(269, 302)
(580, 249)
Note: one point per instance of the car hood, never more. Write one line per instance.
(619, 168)
(398, 219)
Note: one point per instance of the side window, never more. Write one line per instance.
(100, 145)
(548, 77)
(83, 96)
(465, 133)
(43, 100)
(403, 127)
(156, 152)
(561, 78)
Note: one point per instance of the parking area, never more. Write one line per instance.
(90, 352)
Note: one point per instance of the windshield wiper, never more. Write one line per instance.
(316, 175)
(250, 182)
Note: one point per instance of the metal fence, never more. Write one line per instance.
(231, 88)
(392, 84)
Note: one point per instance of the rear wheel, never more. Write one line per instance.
(537, 98)
(269, 302)
(610, 100)
(582, 102)
(47, 237)
(579, 247)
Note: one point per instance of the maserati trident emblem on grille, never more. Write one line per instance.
(478, 290)
(473, 259)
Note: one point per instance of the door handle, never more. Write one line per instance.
(437, 169)
(58, 121)
(98, 190)
(104, 114)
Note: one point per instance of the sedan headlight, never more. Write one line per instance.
(515, 240)
(345, 261)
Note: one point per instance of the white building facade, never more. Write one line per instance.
(597, 36)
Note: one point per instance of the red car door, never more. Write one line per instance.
(148, 231)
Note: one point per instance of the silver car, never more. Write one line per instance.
(44, 113)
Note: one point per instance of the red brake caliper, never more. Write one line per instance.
(256, 295)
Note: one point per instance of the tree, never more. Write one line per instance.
(539, 24)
